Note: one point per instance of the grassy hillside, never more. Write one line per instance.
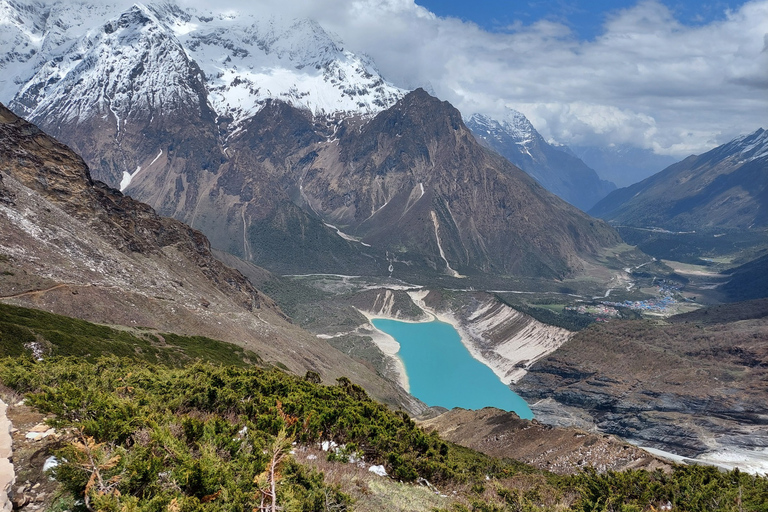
(42, 334)
(204, 436)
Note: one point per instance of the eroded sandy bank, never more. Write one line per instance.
(390, 347)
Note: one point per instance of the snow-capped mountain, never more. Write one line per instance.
(139, 89)
(33, 34)
(558, 170)
(89, 59)
(129, 66)
(297, 62)
(725, 188)
(262, 132)
(514, 128)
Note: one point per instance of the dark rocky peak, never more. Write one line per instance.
(414, 104)
(279, 120)
(137, 15)
(414, 124)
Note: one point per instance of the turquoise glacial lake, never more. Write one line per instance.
(442, 372)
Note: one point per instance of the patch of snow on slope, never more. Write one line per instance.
(128, 177)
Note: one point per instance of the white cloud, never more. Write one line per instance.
(649, 79)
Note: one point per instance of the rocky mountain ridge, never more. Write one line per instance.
(725, 188)
(329, 169)
(557, 169)
(74, 246)
(415, 178)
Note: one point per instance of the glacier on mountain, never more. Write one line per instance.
(73, 60)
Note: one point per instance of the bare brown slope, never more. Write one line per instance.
(76, 247)
(415, 181)
(560, 450)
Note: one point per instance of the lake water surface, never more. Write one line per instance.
(441, 371)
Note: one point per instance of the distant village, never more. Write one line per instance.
(605, 310)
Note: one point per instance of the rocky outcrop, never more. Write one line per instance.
(560, 450)
(686, 388)
(61, 178)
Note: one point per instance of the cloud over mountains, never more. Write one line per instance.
(649, 79)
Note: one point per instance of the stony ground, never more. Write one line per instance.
(560, 450)
(33, 444)
(693, 384)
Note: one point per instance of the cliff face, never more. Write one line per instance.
(688, 387)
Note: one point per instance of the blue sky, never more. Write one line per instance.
(584, 18)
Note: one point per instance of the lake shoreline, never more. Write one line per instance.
(443, 373)
(390, 347)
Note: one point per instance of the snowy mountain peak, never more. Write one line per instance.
(96, 58)
(130, 64)
(249, 60)
(753, 146)
(513, 125)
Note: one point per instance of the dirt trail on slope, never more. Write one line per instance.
(24, 485)
(7, 475)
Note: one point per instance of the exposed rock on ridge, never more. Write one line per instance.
(559, 171)
(415, 178)
(726, 187)
(77, 247)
